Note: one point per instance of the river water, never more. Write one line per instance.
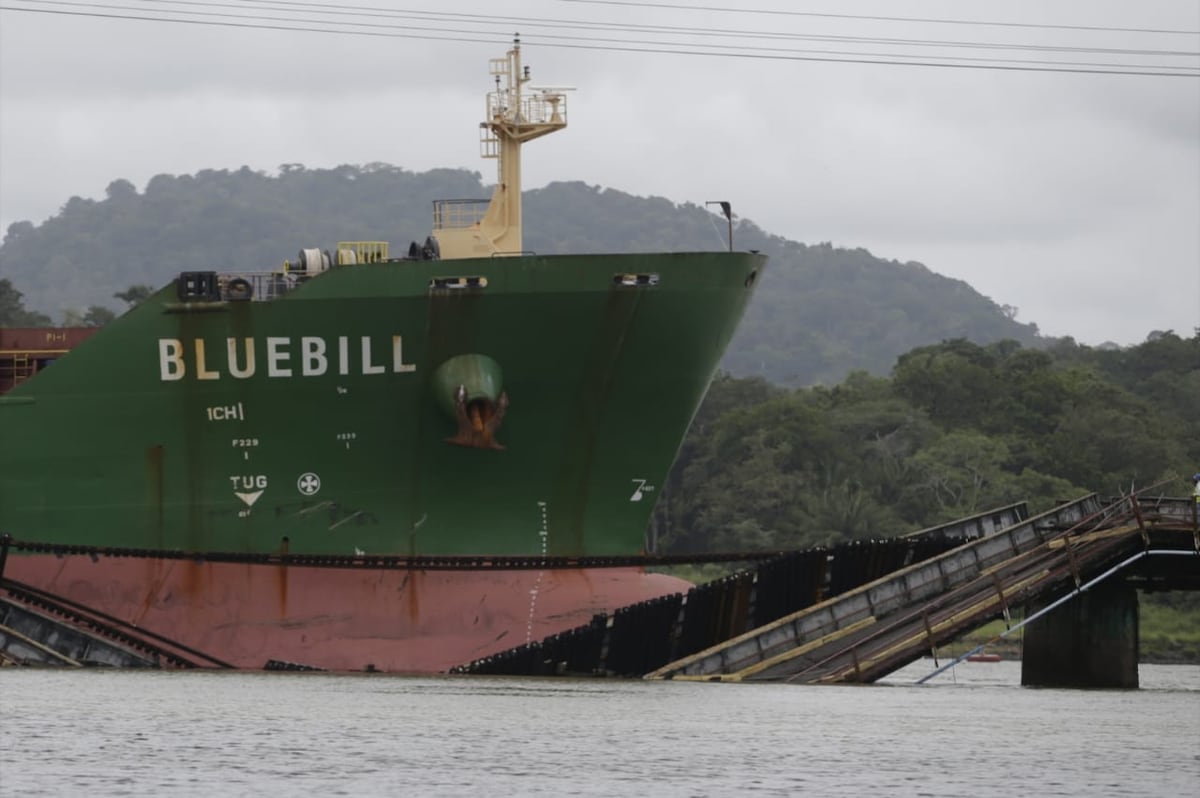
(972, 731)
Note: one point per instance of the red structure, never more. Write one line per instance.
(24, 351)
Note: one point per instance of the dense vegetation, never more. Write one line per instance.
(1167, 633)
(13, 312)
(958, 428)
(820, 311)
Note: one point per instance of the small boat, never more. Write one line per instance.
(983, 658)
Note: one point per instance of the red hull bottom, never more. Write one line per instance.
(340, 619)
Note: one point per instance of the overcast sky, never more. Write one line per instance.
(1074, 197)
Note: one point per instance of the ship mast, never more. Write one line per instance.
(511, 119)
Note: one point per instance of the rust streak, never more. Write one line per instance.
(414, 603)
(155, 455)
(281, 579)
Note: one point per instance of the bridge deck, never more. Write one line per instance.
(868, 632)
(646, 636)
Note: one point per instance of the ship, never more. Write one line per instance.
(364, 460)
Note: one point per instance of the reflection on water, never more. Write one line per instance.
(972, 731)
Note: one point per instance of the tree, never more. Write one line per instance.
(98, 316)
(18, 230)
(955, 476)
(121, 190)
(12, 309)
(953, 381)
(94, 316)
(135, 294)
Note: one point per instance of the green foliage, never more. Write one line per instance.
(94, 316)
(821, 312)
(99, 315)
(1168, 631)
(215, 220)
(959, 429)
(13, 312)
(134, 294)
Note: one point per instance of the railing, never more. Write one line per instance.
(195, 290)
(456, 214)
(198, 291)
(848, 614)
(257, 286)
(350, 252)
(544, 108)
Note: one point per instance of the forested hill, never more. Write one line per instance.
(820, 312)
(956, 429)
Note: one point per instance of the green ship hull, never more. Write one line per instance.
(365, 463)
(322, 418)
(132, 440)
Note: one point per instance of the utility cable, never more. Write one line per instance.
(922, 20)
(582, 43)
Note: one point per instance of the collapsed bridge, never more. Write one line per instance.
(848, 613)
(857, 612)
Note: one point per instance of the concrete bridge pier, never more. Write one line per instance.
(1090, 641)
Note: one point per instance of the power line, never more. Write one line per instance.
(252, 26)
(597, 41)
(923, 20)
(666, 48)
(543, 22)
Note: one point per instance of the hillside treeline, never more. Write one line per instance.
(13, 312)
(820, 312)
(956, 429)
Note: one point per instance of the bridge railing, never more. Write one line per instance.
(909, 585)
